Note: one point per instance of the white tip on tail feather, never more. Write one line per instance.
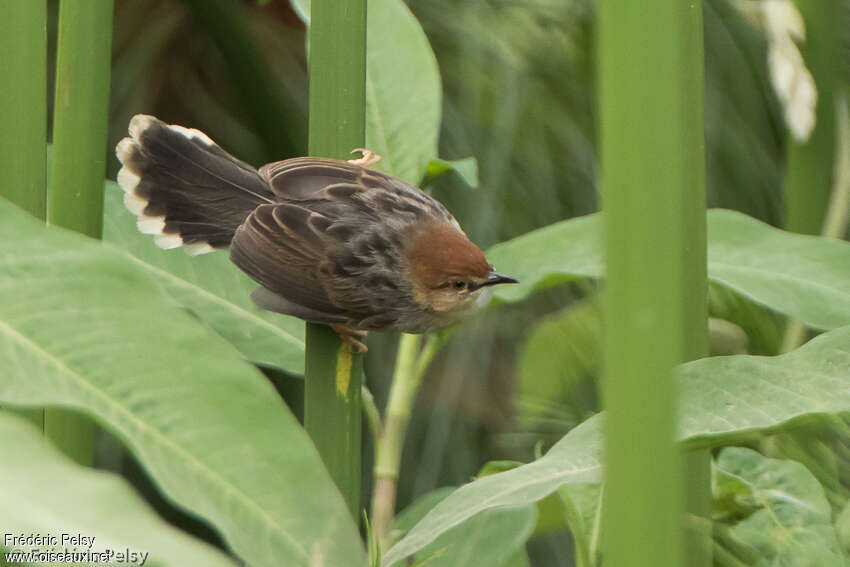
(150, 225)
(134, 203)
(139, 123)
(168, 241)
(196, 248)
(129, 181)
(123, 149)
(192, 133)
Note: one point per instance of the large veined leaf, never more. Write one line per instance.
(212, 288)
(495, 538)
(720, 399)
(83, 326)
(402, 89)
(492, 538)
(804, 276)
(44, 492)
(788, 521)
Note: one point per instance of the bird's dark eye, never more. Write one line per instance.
(459, 285)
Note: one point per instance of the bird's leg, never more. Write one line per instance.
(369, 158)
(351, 336)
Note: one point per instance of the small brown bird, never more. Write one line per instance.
(329, 241)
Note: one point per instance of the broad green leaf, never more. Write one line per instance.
(518, 559)
(575, 459)
(403, 93)
(557, 386)
(842, 528)
(466, 169)
(212, 288)
(804, 276)
(407, 518)
(83, 326)
(790, 520)
(496, 538)
(548, 256)
(44, 492)
(720, 400)
(582, 504)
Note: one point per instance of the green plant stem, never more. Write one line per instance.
(650, 57)
(75, 194)
(410, 366)
(332, 404)
(23, 105)
(23, 113)
(809, 172)
(838, 211)
(373, 416)
(808, 177)
(580, 535)
(696, 464)
(593, 550)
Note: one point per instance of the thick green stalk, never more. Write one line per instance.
(652, 177)
(389, 445)
(808, 177)
(697, 464)
(75, 195)
(809, 171)
(23, 104)
(332, 409)
(410, 367)
(23, 112)
(838, 213)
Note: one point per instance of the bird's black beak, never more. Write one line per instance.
(493, 278)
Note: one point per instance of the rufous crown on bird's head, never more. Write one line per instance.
(447, 268)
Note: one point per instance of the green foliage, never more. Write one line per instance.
(558, 387)
(43, 492)
(780, 513)
(107, 333)
(402, 89)
(86, 327)
(804, 276)
(493, 538)
(466, 169)
(721, 400)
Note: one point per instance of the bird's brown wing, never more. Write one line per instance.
(284, 247)
(339, 184)
(308, 177)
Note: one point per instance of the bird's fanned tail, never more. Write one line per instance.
(184, 189)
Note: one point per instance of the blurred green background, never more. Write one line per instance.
(518, 86)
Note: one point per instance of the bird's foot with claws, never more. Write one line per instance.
(351, 336)
(369, 158)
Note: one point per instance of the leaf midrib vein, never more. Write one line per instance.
(187, 456)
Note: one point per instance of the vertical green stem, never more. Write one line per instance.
(389, 446)
(23, 112)
(697, 464)
(332, 410)
(809, 171)
(808, 177)
(838, 215)
(653, 195)
(23, 104)
(410, 367)
(75, 195)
